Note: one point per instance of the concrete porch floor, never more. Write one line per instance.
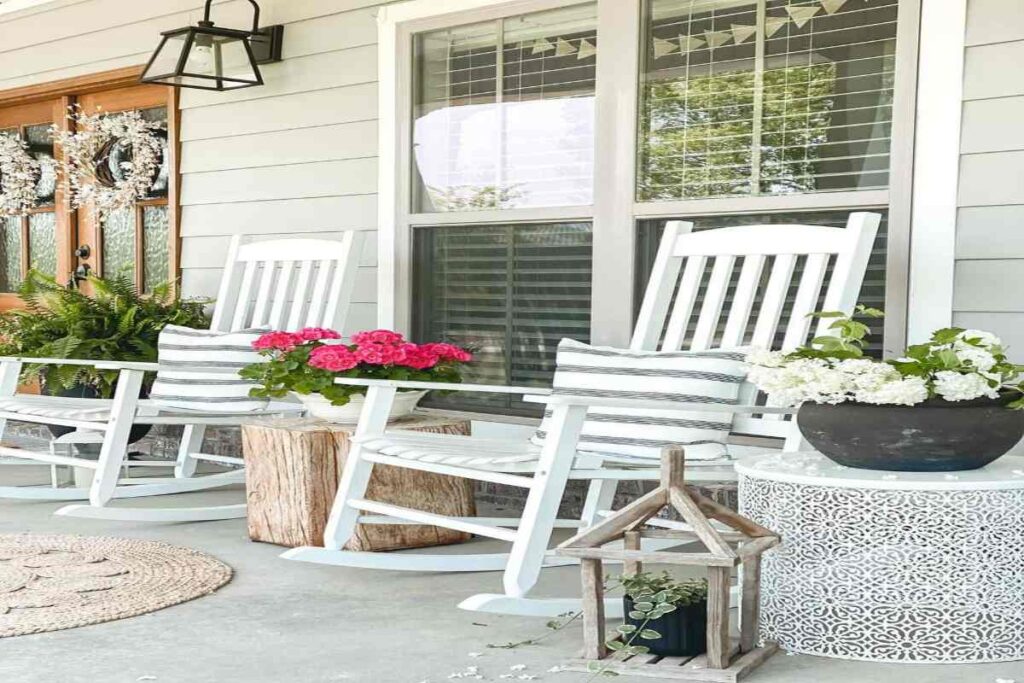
(287, 622)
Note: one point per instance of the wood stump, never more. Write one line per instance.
(291, 477)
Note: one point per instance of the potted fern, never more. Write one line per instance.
(116, 322)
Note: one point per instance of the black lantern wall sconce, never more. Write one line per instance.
(212, 58)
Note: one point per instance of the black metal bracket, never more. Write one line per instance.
(266, 44)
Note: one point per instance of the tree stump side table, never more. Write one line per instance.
(291, 477)
(890, 566)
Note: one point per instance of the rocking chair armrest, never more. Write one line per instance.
(646, 404)
(98, 364)
(442, 386)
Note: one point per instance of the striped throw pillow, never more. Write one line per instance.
(713, 376)
(199, 370)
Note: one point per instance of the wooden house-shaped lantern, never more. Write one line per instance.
(740, 546)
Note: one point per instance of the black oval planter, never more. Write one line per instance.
(934, 436)
(137, 433)
(684, 632)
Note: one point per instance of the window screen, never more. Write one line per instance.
(510, 293)
(798, 100)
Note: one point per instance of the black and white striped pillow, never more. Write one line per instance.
(199, 370)
(713, 376)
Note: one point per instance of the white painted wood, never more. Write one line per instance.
(115, 441)
(541, 509)
(428, 518)
(988, 125)
(990, 232)
(936, 167)
(10, 376)
(743, 301)
(994, 21)
(244, 296)
(341, 523)
(658, 296)
(314, 214)
(316, 179)
(774, 300)
(806, 301)
(499, 603)
(991, 179)
(693, 275)
(440, 386)
(711, 306)
(304, 110)
(156, 515)
(268, 271)
(988, 286)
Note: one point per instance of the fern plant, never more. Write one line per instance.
(116, 323)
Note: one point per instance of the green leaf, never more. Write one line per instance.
(947, 335)
(636, 615)
(643, 606)
(649, 634)
(615, 645)
(626, 629)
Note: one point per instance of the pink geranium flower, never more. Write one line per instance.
(377, 337)
(448, 352)
(333, 358)
(277, 341)
(375, 354)
(418, 357)
(311, 334)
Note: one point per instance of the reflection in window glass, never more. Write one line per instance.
(42, 242)
(800, 101)
(160, 184)
(872, 292)
(509, 292)
(504, 113)
(40, 144)
(10, 253)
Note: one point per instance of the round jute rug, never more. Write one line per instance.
(49, 583)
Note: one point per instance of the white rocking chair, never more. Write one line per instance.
(282, 284)
(544, 471)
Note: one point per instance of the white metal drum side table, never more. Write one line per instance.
(890, 566)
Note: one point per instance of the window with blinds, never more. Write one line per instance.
(766, 97)
(508, 292)
(503, 113)
(872, 292)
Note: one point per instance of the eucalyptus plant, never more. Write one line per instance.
(116, 322)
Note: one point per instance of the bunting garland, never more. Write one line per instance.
(563, 48)
(798, 15)
(587, 49)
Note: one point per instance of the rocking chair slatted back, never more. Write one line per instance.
(750, 285)
(287, 284)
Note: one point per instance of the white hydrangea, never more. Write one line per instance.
(908, 391)
(977, 356)
(766, 358)
(986, 339)
(868, 375)
(800, 380)
(954, 386)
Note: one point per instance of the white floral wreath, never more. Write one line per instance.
(91, 181)
(19, 171)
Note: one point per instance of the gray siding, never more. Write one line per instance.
(294, 157)
(990, 226)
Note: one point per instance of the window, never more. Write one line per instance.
(797, 99)
(519, 126)
(510, 293)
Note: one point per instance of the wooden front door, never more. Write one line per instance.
(140, 241)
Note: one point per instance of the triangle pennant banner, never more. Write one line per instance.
(801, 15)
(832, 6)
(716, 38)
(664, 48)
(741, 32)
(563, 48)
(773, 24)
(586, 49)
(541, 46)
(688, 44)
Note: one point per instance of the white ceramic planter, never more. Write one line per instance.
(320, 408)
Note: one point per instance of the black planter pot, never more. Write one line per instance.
(684, 632)
(934, 436)
(137, 433)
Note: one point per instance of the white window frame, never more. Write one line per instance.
(615, 211)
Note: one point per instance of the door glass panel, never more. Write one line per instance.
(160, 184)
(155, 237)
(503, 113)
(797, 100)
(40, 143)
(42, 242)
(119, 243)
(10, 253)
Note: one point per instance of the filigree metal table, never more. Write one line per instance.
(890, 566)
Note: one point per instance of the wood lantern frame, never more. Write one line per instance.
(726, 661)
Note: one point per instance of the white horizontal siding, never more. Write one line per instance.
(990, 224)
(294, 157)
